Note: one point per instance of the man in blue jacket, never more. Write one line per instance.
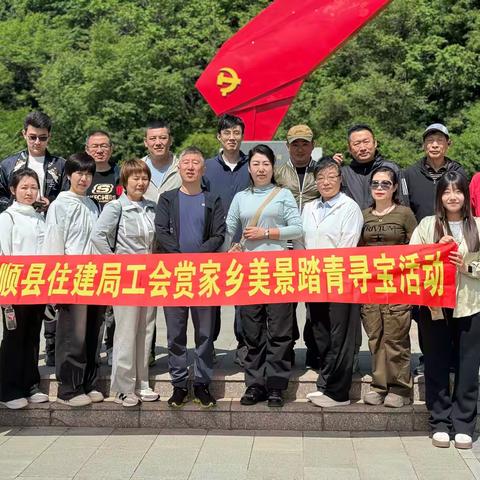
(226, 175)
(190, 220)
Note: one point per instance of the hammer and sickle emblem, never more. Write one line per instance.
(227, 80)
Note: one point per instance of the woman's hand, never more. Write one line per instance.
(446, 239)
(235, 247)
(254, 233)
(456, 258)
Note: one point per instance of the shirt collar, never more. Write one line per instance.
(329, 203)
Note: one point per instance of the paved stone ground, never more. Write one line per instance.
(147, 454)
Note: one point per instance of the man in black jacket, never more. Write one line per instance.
(421, 178)
(49, 168)
(362, 146)
(190, 220)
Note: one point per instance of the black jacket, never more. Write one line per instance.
(356, 180)
(55, 179)
(421, 186)
(167, 223)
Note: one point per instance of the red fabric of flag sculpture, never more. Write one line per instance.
(259, 70)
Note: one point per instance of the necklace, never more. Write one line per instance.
(380, 215)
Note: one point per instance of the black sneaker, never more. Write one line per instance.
(203, 396)
(275, 398)
(253, 395)
(178, 397)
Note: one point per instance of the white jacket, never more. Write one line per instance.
(70, 221)
(22, 230)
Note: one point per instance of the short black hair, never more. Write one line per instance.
(80, 162)
(16, 176)
(91, 133)
(358, 128)
(230, 121)
(324, 163)
(157, 123)
(37, 120)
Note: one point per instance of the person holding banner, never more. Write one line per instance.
(268, 216)
(126, 226)
(332, 221)
(454, 332)
(190, 220)
(387, 222)
(70, 221)
(23, 231)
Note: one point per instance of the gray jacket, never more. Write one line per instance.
(170, 181)
(131, 224)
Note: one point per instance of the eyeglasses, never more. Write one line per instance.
(101, 146)
(40, 138)
(383, 185)
(329, 179)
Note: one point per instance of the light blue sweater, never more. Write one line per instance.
(281, 212)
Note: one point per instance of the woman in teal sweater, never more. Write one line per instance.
(267, 327)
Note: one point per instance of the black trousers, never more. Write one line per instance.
(19, 353)
(267, 332)
(78, 333)
(335, 328)
(50, 328)
(451, 411)
(308, 336)
(237, 326)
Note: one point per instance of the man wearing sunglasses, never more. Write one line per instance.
(49, 168)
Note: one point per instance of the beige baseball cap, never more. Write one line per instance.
(303, 132)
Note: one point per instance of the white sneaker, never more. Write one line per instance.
(147, 395)
(311, 395)
(126, 400)
(325, 401)
(38, 397)
(463, 441)
(16, 404)
(81, 400)
(95, 396)
(441, 440)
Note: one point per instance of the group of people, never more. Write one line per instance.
(236, 202)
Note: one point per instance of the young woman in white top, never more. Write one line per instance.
(23, 231)
(126, 226)
(457, 334)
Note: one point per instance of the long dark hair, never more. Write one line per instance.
(262, 149)
(470, 231)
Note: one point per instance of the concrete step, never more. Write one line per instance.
(229, 414)
(229, 383)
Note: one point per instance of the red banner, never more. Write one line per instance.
(416, 274)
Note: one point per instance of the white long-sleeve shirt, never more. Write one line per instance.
(335, 223)
(22, 230)
(70, 221)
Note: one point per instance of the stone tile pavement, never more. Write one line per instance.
(43, 453)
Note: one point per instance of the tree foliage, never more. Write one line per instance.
(114, 64)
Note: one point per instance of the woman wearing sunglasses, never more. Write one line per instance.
(387, 326)
(453, 411)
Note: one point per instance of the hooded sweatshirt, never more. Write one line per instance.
(23, 230)
(70, 221)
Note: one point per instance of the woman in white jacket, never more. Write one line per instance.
(70, 221)
(126, 226)
(23, 231)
